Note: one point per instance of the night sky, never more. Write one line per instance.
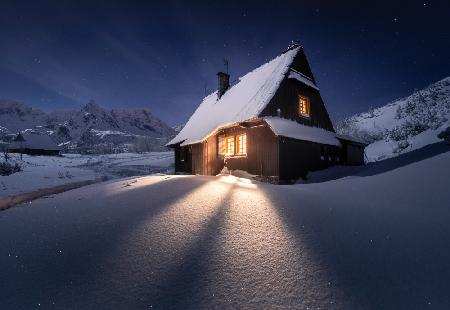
(57, 55)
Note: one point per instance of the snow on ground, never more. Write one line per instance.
(48, 171)
(378, 167)
(379, 240)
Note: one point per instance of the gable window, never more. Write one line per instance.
(303, 106)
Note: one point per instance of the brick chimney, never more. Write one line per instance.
(224, 83)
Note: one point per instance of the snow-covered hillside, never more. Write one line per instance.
(403, 125)
(92, 129)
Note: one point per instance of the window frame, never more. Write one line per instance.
(237, 150)
(229, 145)
(306, 114)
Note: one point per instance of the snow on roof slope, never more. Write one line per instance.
(351, 139)
(291, 129)
(241, 102)
(35, 141)
(302, 78)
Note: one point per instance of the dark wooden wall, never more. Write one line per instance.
(184, 166)
(197, 158)
(261, 158)
(298, 157)
(286, 99)
(262, 151)
(301, 64)
(352, 154)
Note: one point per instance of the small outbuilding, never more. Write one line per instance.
(34, 143)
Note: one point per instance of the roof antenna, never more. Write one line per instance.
(225, 62)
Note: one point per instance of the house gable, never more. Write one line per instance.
(285, 102)
(301, 65)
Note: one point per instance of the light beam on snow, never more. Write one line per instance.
(242, 182)
(164, 239)
(261, 259)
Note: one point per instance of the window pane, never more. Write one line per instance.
(230, 145)
(303, 104)
(241, 146)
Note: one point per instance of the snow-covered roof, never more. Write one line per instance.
(351, 139)
(243, 101)
(302, 78)
(35, 141)
(291, 129)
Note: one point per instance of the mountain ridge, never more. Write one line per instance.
(91, 129)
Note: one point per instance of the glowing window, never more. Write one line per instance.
(230, 145)
(241, 144)
(303, 106)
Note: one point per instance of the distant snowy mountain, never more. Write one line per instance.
(16, 116)
(91, 129)
(403, 125)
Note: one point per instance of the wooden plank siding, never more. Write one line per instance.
(183, 163)
(286, 99)
(301, 64)
(261, 157)
(352, 154)
(262, 151)
(298, 157)
(197, 158)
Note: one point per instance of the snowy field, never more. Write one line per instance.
(376, 240)
(48, 171)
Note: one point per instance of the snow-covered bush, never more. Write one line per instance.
(445, 135)
(347, 127)
(401, 145)
(407, 129)
(8, 168)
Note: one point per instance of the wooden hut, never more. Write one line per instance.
(34, 143)
(272, 123)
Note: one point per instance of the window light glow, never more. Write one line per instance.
(232, 145)
(303, 105)
(241, 148)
